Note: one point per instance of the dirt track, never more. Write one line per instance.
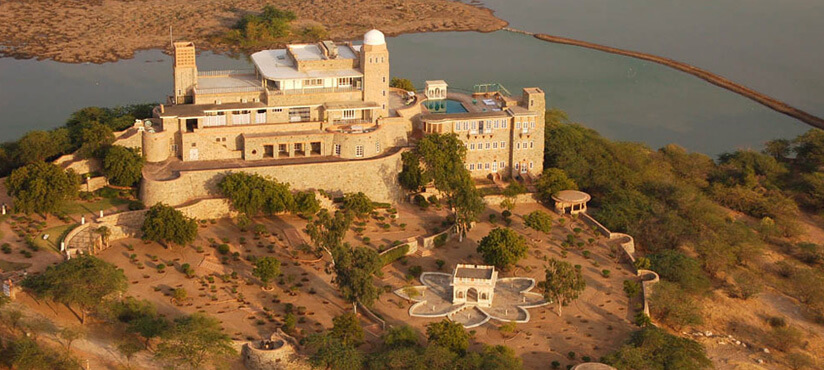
(76, 31)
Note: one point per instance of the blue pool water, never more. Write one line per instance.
(444, 106)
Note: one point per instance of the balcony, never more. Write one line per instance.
(318, 90)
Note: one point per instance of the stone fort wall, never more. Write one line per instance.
(376, 177)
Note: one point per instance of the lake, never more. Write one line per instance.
(623, 98)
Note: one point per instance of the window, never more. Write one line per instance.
(530, 165)
(531, 144)
(496, 124)
(472, 146)
(472, 166)
(277, 110)
(517, 125)
(516, 166)
(217, 139)
(359, 151)
(532, 124)
(474, 125)
(383, 59)
(495, 145)
(337, 149)
(345, 81)
(486, 166)
(466, 125)
(504, 124)
(313, 82)
(457, 126)
(517, 145)
(348, 113)
(503, 164)
(194, 145)
(377, 147)
(494, 166)
(480, 166)
(503, 144)
(384, 78)
(488, 145)
(384, 92)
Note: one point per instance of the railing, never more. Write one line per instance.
(350, 121)
(319, 90)
(226, 72)
(224, 90)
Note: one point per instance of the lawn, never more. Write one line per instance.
(82, 207)
(56, 234)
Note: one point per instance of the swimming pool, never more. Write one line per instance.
(444, 106)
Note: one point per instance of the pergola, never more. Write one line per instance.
(571, 201)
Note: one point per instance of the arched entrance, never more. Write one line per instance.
(472, 295)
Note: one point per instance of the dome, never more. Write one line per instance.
(374, 37)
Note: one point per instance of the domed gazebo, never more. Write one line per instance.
(572, 201)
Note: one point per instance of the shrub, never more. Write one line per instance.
(223, 249)
(415, 270)
(632, 288)
(440, 240)
(394, 254)
(605, 273)
(136, 205)
(440, 263)
(538, 220)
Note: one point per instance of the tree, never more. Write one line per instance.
(654, 348)
(400, 336)
(25, 353)
(95, 138)
(809, 149)
(563, 284)
(123, 166)
(353, 273)
(402, 83)
(306, 203)
(84, 281)
(553, 180)
(41, 187)
(443, 157)
(448, 334)
(129, 347)
(194, 340)
(37, 146)
(538, 220)
(347, 329)
(148, 327)
(327, 231)
(331, 353)
(70, 335)
(180, 295)
(358, 203)
(678, 268)
(500, 357)
(165, 224)
(266, 269)
(502, 248)
(412, 177)
(252, 194)
(673, 306)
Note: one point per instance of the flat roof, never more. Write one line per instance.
(467, 115)
(571, 196)
(473, 272)
(230, 81)
(351, 105)
(436, 82)
(275, 64)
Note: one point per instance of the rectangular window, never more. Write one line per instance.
(348, 113)
(496, 124)
(277, 110)
(517, 125)
(517, 145)
(337, 149)
(516, 165)
(495, 145)
(457, 126)
(504, 124)
(503, 144)
(530, 165)
(532, 124)
(313, 82)
(503, 164)
(488, 145)
(345, 81)
(531, 144)
(472, 146)
(359, 151)
(472, 166)
(480, 166)
(494, 166)
(466, 125)
(377, 147)
(486, 166)
(474, 125)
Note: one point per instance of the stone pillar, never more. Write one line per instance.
(62, 246)
(82, 220)
(101, 213)
(3, 208)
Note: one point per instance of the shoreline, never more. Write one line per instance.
(77, 31)
(720, 81)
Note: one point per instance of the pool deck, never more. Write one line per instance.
(477, 107)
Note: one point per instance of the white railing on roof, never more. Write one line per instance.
(226, 72)
(225, 90)
(318, 90)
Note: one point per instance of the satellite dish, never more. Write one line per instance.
(147, 123)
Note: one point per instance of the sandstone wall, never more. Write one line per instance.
(94, 183)
(376, 177)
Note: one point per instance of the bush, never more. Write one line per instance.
(420, 201)
(671, 305)
(632, 288)
(223, 249)
(440, 240)
(136, 205)
(401, 83)
(394, 254)
(538, 220)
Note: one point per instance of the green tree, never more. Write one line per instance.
(327, 231)
(353, 273)
(553, 180)
(331, 353)
(347, 329)
(400, 336)
(37, 146)
(671, 305)
(123, 166)
(402, 83)
(809, 149)
(563, 284)
(500, 357)
(165, 224)
(26, 354)
(654, 348)
(266, 269)
(252, 194)
(443, 157)
(41, 187)
(678, 268)
(539, 220)
(412, 177)
(70, 335)
(358, 203)
(194, 340)
(502, 248)
(95, 138)
(84, 282)
(306, 203)
(448, 334)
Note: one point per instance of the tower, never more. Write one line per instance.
(374, 63)
(185, 72)
(534, 99)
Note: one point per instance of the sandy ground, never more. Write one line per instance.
(98, 31)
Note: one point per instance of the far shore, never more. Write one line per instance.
(81, 31)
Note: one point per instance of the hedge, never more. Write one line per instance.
(392, 255)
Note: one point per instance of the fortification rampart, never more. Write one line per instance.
(376, 177)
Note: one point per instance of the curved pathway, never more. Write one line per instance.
(705, 75)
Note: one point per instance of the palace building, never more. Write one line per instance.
(323, 116)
